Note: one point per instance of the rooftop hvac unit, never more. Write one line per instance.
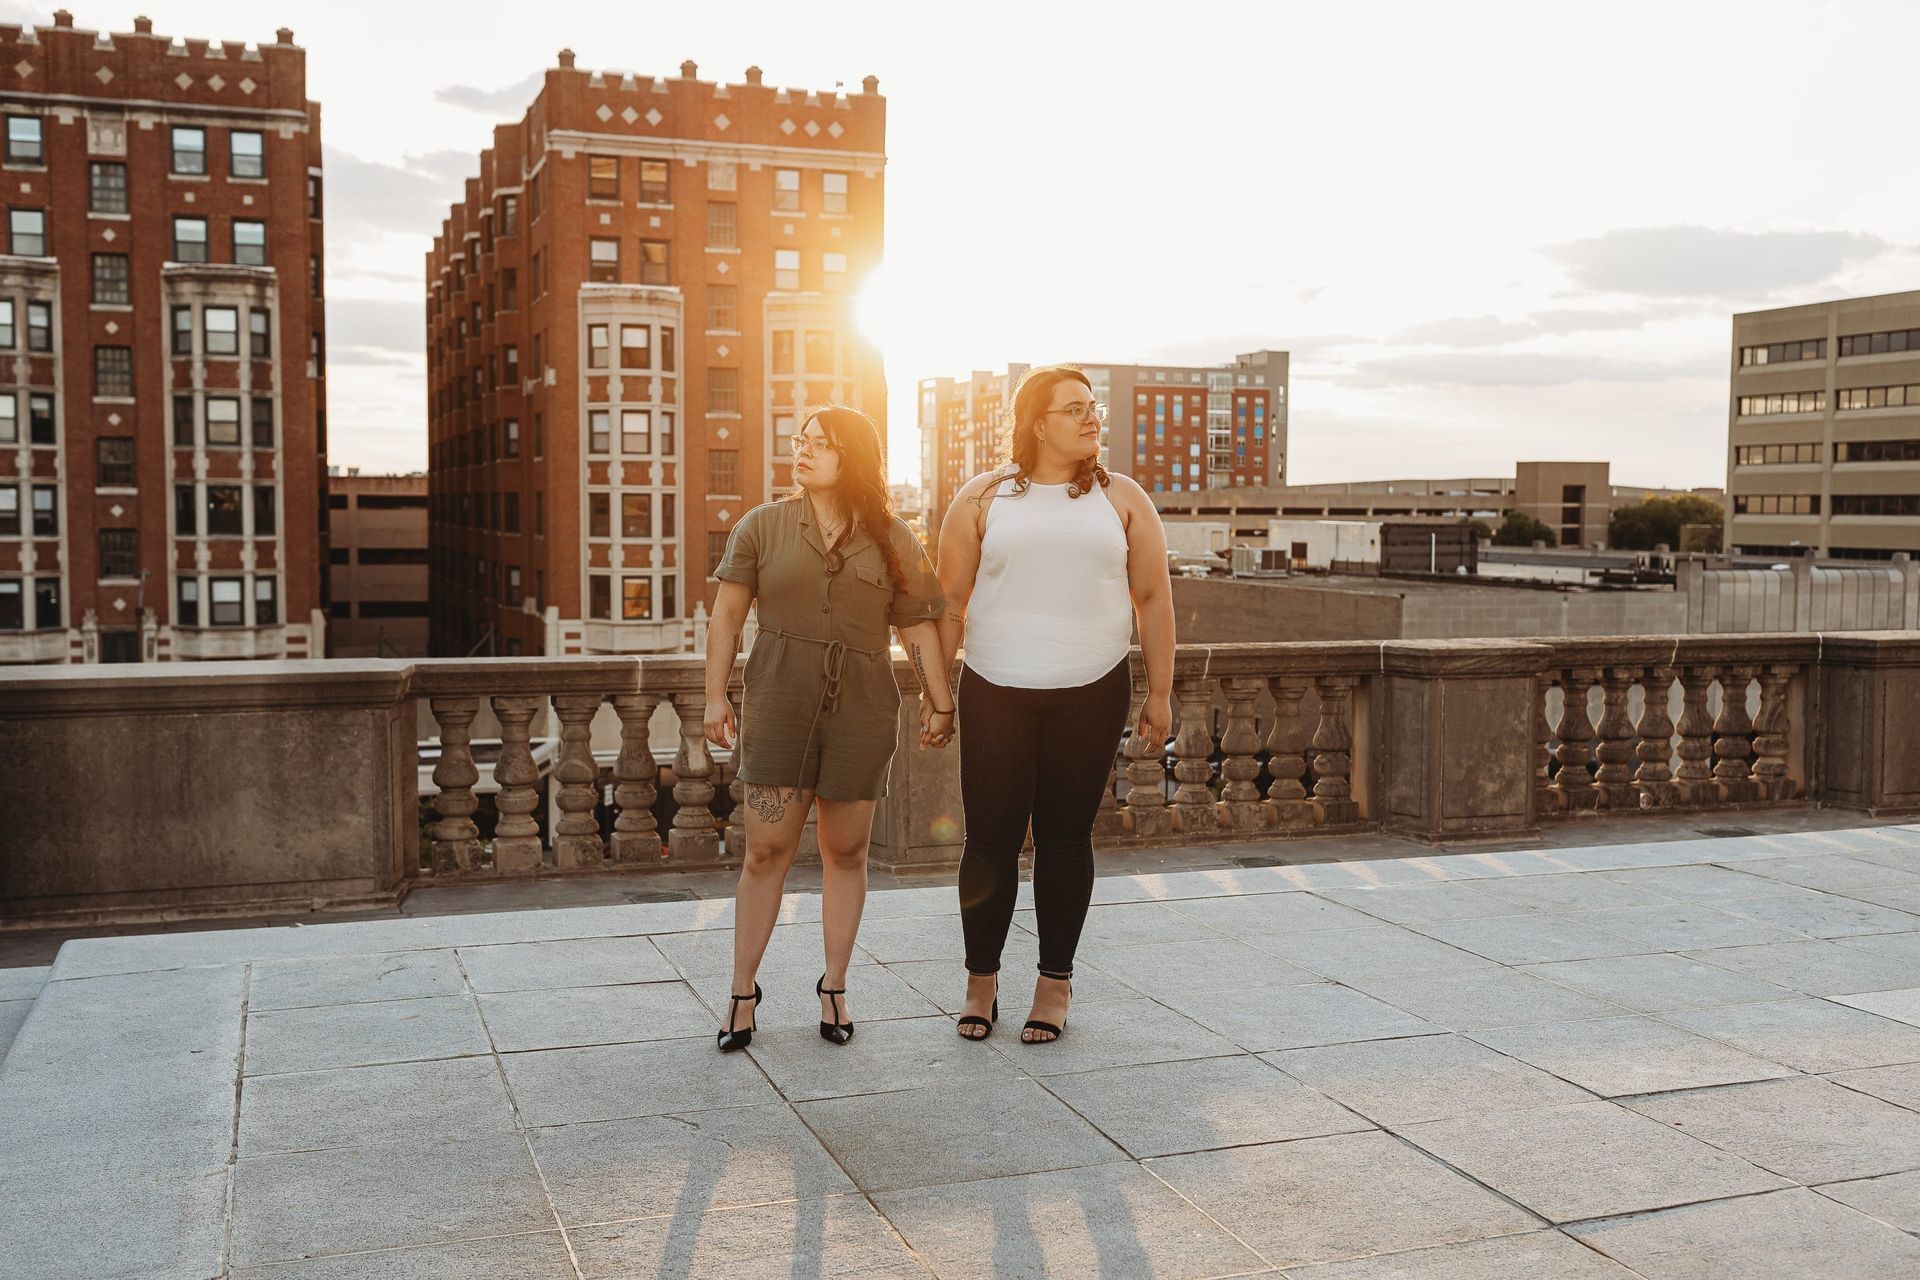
(1260, 562)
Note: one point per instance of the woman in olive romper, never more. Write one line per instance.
(832, 569)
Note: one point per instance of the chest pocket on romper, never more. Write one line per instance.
(872, 577)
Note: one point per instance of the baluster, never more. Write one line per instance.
(516, 836)
(1613, 780)
(1653, 779)
(1239, 808)
(576, 841)
(695, 837)
(636, 832)
(456, 840)
(1108, 820)
(1733, 737)
(1287, 743)
(1693, 780)
(1770, 739)
(1332, 752)
(1146, 813)
(1546, 796)
(1574, 782)
(1193, 764)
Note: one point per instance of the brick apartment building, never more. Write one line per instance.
(377, 565)
(1173, 428)
(163, 410)
(645, 285)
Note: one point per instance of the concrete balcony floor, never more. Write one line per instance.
(1660, 1057)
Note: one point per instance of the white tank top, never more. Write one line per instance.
(1050, 607)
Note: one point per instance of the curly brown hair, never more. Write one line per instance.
(1031, 401)
(863, 478)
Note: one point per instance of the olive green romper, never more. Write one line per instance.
(821, 704)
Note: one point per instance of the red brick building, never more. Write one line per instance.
(643, 288)
(162, 414)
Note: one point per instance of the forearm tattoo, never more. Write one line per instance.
(770, 803)
(918, 654)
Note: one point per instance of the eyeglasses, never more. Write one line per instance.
(1084, 411)
(805, 445)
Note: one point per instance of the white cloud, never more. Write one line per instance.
(1709, 262)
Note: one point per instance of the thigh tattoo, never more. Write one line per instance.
(769, 802)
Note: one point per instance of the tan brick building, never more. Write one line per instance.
(163, 409)
(377, 565)
(1823, 429)
(644, 286)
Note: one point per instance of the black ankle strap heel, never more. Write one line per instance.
(731, 1040)
(833, 1032)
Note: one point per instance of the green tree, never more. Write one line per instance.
(1521, 530)
(1481, 529)
(1644, 525)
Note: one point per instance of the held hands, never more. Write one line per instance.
(936, 727)
(721, 727)
(1156, 718)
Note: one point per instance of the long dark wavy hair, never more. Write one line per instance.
(863, 478)
(1031, 401)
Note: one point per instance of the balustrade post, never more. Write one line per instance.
(1287, 743)
(1108, 820)
(1239, 808)
(456, 840)
(576, 843)
(636, 832)
(1613, 780)
(1693, 780)
(516, 836)
(694, 837)
(1653, 779)
(1733, 740)
(1193, 750)
(1771, 739)
(1575, 732)
(1333, 753)
(1146, 813)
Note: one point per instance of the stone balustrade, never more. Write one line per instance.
(195, 788)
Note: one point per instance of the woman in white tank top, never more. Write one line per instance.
(1046, 564)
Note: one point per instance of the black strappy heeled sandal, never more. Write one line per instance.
(731, 1040)
(833, 1032)
(1053, 1032)
(975, 1020)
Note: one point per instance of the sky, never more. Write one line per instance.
(1486, 232)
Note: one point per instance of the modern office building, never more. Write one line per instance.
(163, 408)
(377, 565)
(1173, 428)
(644, 287)
(1823, 429)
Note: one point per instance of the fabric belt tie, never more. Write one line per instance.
(833, 663)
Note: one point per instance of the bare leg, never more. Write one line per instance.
(1049, 1005)
(775, 817)
(845, 828)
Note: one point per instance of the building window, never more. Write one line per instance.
(599, 430)
(509, 215)
(224, 515)
(596, 346)
(510, 358)
(539, 513)
(266, 601)
(723, 307)
(1894, 397)
(107, 186)
(39, 326)
(223, 422)
(1780, 504)
(1788, 352)
(599, 518)
(603, 260)
(186, 511)
(786, 269)
(113, 371)
(653, 182)
(723, 390)
(229, 604)
(264, 524)
(1762, 455)
(786, 190)
(1874, 344)
(723, 471)
(833, 271)
(189, 150)
(833, 193)
(510, 512)
(27, 232)
(636, 599)
(1874, 504)
(24, 142)
(183, 331)
(599, 596)
(782, 435)
(40, 417)
(259, 334)
(113, 462)
(46, 511)
(666, 348)
(722, 175)
(189, 239)
(119, 553)
(634, 346)
(313, 195)
(245, 155)
(636, 431)
(183, 422)
(636, 515)
(820, 351)
(186, 602)
(262, 422)
(716, 550)
(513, 586)
(6, 323)
(249, 243)
(653, 262)
(509, 290)
(603, 177)
(513, 439)
(723, 224)
(111, 279)
(9, 418)
(220, 331)
(9, 511)
(12, 605)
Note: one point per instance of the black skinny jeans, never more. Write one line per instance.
(1039, 755)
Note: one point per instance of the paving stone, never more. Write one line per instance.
(1618, 1056)
(1321, 1199)
(394, 975)
(1264, 1018)
(1182, 885)
(13, 1013)
(1687, 926)
(1172, 1107)
(1894, 1199)
(1703, 883)
(622, 1081)
(1657, 983)
(1815, 968)
(614, 1170)
(1787, 1233)
(1175, 971)
(381, 1197)
(928, 938)
(1116, 1033)
(110, 1217)
(23, 983)
(1822, 915)
(1833, 873)
(1538, 939)
(1480, 998)
(152, 953)
(1111, 1220)
(1577, 891)
(942, 984)
(356, 1035)
(1398, 1082)
(1902, 898)
(537, 1256)
(1805, 1129)
(1132, 923)
(958, 1132)
(1409, 904)
(577, 962)
(792, 948)
(1588, 1160)
(905, 1053)
(1899, 1085)
(1807, 1034)
(1532, 1256)
(836, 1236)
(1262, 914)
(1901, 1006)
(1893, 946)
(593, 1015)
(409, 1102)
(1370, 953)
(875, 993)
